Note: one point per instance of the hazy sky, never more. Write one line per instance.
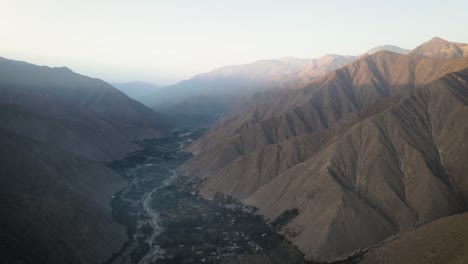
(165, 41)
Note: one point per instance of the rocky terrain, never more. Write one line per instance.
(442, 241)
(366, 152)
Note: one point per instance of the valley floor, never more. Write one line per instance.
(169, 223)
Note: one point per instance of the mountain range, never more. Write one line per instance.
(232, 84)
(367, 152)
(361, 158)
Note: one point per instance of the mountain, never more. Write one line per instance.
(368, 151)
(391, 48)
(440, 48)
(327, 99)
(58, 129)
(64, 86)
(136, 90)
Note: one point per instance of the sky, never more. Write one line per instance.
(164, 42)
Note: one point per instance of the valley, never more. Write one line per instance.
(169, 222)
(233, 132)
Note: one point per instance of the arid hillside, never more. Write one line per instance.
(366, 152)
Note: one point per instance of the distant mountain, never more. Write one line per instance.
(362, 153)
(239, 81)
(136, 90)
(440, 48)
(199, 111)
(57, 131)
(391, 48)
(315, 68)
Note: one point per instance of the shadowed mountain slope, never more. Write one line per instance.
(57, 128)
(55, 205)
(61, 84)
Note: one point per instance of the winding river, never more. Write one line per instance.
(155, 250)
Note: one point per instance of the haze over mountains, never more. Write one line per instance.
(136, 90)
(366, 152)
(228, 86)
(360, 157)
(232, 84)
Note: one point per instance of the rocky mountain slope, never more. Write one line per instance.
(277, 116)
(368, 151)
(57, 129)
(442, 241)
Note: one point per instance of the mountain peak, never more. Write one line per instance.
(437, 39)
(441, 48)
(62, 69)
(435, 42)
